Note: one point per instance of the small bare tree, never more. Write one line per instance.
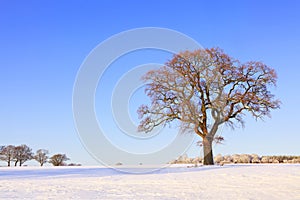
(7, 154)
(41, 156)
(204, 89)
(1, 148)
(22, 154)
(58, 159)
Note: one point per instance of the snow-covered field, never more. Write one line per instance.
(269, 181)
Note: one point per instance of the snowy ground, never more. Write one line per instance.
(227, 182)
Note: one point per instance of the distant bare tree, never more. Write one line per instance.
(1, 148)
(204, 89)
(1, 156)
(41, 156)
(7, 153)
(22, 153)
(58, 159)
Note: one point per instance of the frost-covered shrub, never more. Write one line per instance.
(264, 159)
(244, 158)
(218, 158)
(196, 160)
(228, 158)
(255, 158)
(182, 159)
(236, 158)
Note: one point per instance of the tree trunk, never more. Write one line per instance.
(16, 163)
(207, 150)
(8, 163)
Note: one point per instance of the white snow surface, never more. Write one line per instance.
(268, 181)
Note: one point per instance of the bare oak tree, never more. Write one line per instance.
(58, 159)
(41, 156)
(22, 154)
(7, 154)
(204, 89)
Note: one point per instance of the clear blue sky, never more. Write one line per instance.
(43, 43)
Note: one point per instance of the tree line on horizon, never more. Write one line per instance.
(239, 159)
(23, 153)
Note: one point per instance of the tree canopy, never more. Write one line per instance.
(58, 159)
(204, 89)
